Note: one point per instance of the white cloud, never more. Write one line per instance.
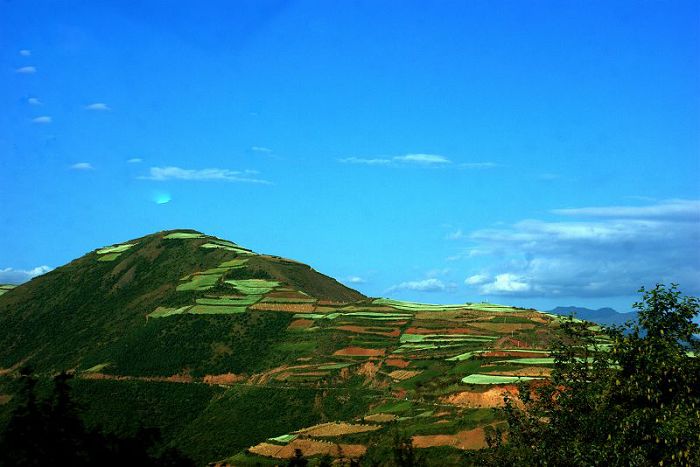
(620, 249)
(34, 101)
(19, 276)
(425, 285)
(82, 166)
(25, 52)
(476, 279)
(261, 149)
(355, 280)
(26, 70)
(99, 106)
(177, 173)
(424, 159)
(359, 160)
(505, 284)
(42, 119)
(134, 160)
(672, 209)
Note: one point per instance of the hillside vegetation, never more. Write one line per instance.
(247, 357)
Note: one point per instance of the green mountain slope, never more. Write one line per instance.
(237, 355)
(99, 306)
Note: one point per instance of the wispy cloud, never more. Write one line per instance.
(26, 70)
(355, 280)
(425, 160)
(19, 276)
(597, 251)
(134, 160)
(42, 119)
(82, 166)
(261, 149)
(34, 101)
(426, 285)
(178, 173)
(672, 209)
(363, 161)
(25, 52)
(99, 106)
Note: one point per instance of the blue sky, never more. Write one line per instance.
(529, 153)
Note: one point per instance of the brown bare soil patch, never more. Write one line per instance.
(414, 330)
(380, 418)
(404, 374)
(289, 307)
(397, 362)
(468, 439)
(368, 370)
(492, 397)
(359, 352)
(368, 330)
(226, 378)
(337, 429)
(310, 447)
(5, 398)
(505, 353)
(503, 327)
(300, 324)
(263, 378)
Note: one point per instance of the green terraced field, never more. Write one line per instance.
(184, 235)
(216, 309)
(115, 249)
(199, 282)
(253, 286)
(242, 301)
(494, 379)
(445, 338)
(530, 361)
(109, 257)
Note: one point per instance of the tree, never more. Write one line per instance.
(633, 402)
(51, 432)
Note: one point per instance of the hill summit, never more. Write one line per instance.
(99, 303)
(245, 356)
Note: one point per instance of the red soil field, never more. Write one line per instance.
(359, 352)
(300, 324)
(397, 362)
(291, 307)
(468, 439)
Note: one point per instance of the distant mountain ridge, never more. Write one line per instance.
(605, 315)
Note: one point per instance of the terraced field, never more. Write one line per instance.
(291, 358)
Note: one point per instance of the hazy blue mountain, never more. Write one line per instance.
(600, 316)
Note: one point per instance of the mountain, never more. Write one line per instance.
(601, 316)
(244, 357)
